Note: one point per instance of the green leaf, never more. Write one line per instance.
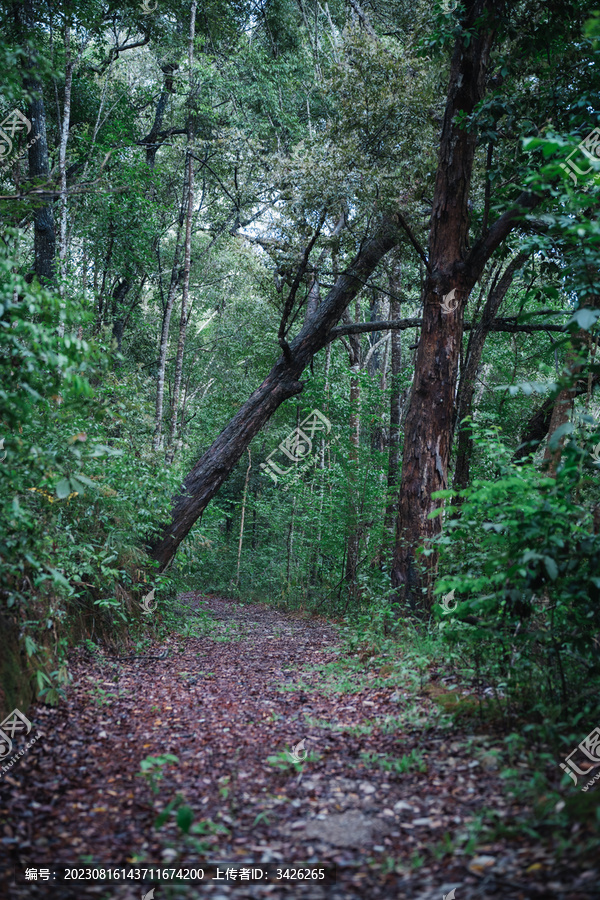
(585, 317)
(63, 489)
(164, 815)
(185, 817)
(59, 577)
(567, 428)
(551, 567)
(87, 481)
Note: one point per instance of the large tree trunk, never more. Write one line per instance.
(209, 473)
(469, 374)
(452, 271)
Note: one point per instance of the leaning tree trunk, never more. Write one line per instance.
(452, 272)
(467, 381)
(209, 473)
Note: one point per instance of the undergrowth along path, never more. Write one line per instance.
(185, 759)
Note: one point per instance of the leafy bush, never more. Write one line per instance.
(74, 511)
(523, 555)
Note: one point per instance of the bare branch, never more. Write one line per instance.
(508, 324)
(414, 241)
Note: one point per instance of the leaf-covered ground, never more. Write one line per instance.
(389, 791)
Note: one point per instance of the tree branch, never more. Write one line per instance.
(507, 324)
(500, 230)
(414, 241)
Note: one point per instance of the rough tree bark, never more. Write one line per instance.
(451, 267)
(209, 473)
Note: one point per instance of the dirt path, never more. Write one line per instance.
(386, 793)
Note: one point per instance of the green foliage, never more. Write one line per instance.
(523, 556)
(284, 760)
(74, 510)
(152, 769)
(410, 762)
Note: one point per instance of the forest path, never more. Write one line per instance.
(255, 684)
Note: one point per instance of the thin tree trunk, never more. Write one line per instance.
(316, 551)
(118, 314)
(44, 233)
(394, 443)
(538, 425)
(237, 578)
(183, 322)
(189, 181)
(44, 236)
(166, 322)
(209, 473)
(62, 162)
(353, 501)
(290, 543)
(561, 414)
(467, 382)
(563, 407)
(535, 430)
